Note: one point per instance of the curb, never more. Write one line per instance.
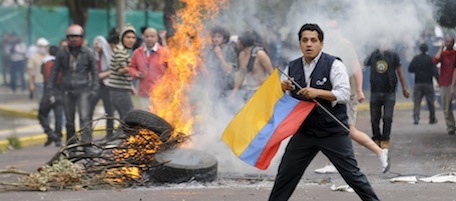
(17, 113)
(40, 139)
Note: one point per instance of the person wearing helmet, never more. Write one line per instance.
(120, 81)
(36, 81)
(79, 82)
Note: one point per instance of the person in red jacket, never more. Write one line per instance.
(148, 65)
(446, 57)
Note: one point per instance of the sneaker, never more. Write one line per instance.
(433, 121)
(328, 169)
(384, 160)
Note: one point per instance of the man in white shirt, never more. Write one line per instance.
(325, 80)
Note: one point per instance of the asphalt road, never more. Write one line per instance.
(416, 150)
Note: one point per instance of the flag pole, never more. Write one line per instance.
(316, 101)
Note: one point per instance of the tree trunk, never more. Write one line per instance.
(78, 11)
(169, 12)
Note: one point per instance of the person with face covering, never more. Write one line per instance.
(120, 81)
(446, 57)
(324, 78)
(79, 82)
(36, 80)
(103, 55)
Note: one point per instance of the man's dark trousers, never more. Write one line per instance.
(300, 151)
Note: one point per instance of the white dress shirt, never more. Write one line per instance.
(338, 77)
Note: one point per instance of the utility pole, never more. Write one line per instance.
(120, 10)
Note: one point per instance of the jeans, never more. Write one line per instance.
(79, 99)
(17, 73)
(121, 101)
(447, 108)
(426, 90)
(382, 102)
(103, 94)
(45, 107)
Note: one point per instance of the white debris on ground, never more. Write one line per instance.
(447, 177)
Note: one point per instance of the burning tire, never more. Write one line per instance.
(182, 165)
(148, 120)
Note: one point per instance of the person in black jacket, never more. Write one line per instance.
(424, 70)
(79, 82)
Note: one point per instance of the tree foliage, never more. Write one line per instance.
(446, 13)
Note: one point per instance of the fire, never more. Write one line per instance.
(170, 95)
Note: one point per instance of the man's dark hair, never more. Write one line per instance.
(247, 38)
(53, 50)
(223, 32)
(113, 39)
(423, 48)
(311, 27)
(142, 29)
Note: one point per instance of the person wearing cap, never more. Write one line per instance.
(36, 81)
(79, 82)
(120, 81)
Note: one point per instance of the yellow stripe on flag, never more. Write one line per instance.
(254, 115)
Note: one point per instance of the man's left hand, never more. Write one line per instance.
(308, 92)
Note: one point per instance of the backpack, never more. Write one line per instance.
(46, 71)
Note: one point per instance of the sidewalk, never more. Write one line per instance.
(20, 120)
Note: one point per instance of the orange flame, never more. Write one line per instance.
(170, 95)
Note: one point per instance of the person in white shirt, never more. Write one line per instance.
(323, 79)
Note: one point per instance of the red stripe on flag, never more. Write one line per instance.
(287, 127)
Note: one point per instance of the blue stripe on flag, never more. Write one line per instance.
(282, 109)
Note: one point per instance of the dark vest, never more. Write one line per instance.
(319, 123)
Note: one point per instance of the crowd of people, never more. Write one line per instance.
(74, 76)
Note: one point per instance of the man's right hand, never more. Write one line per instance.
(287, 85)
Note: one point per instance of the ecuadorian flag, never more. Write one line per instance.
(270, 116)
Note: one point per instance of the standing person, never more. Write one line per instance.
(51, 101)
(120, 81)
(342, 47)
(384, 64)
(254, 65)
(220, 61)
(34, 63)
(148, 65)
(79, 82)
(103, 55)
(325, 79)
(17, 53)
(446, 57)
(5, 58)
(424, 70)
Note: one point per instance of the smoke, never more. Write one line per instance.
(361, 23)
